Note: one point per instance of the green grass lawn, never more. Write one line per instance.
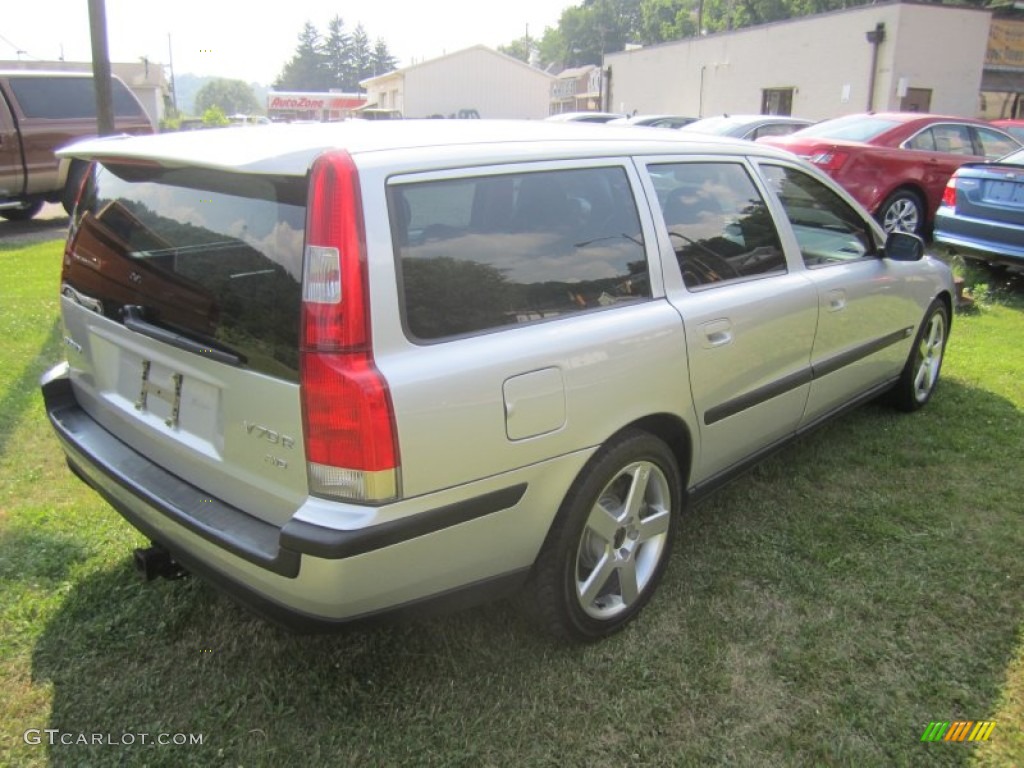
(822, 610)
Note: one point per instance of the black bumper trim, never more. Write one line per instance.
(92, 451)
(101, 460)
(334, 544)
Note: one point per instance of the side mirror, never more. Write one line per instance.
(903, 246)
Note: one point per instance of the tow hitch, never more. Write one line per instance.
(157, 561)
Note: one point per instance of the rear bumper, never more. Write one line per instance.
(991, 241)
(303, 575)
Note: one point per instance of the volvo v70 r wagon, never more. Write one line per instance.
(342, 370)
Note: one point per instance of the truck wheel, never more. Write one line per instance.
(24, 213)
(611, 541)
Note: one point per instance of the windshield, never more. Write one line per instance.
(851, 128)
(213, 257)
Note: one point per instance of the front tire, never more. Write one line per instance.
(902, 211)
(611, 540)
(921, 373)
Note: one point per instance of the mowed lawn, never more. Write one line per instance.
(822, 610)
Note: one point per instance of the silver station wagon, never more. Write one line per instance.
(342, 370)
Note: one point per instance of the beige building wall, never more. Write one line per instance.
(825, 59)
(477, 78)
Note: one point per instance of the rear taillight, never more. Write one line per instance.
(348, 419)
(829, 161)
(949, 194)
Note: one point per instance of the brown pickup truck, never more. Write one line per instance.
(39, 113)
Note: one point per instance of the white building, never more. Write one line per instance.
(895, 56)
(476, 79)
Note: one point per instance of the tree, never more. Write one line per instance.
(337, 61)
(214, 117)
(662, 20)
(307, 70)
(588, 31)
(230, 96)
(381, 60)
(337, 53)
(519, 49)
(362, 57)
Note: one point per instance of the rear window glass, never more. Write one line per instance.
(60, 98)
(214, 257)
(487, 252)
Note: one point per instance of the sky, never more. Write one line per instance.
(247, 41)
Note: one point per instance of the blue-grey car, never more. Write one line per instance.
(982, 211)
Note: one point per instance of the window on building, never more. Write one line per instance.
(777, 101)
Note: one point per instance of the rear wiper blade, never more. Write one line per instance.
(135, 320)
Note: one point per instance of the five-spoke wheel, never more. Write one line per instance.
(610, 542)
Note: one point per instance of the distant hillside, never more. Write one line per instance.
(188, 85)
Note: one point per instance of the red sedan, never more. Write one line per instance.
(896, 164)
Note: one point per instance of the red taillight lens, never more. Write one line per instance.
(348, 419)
(334, 307)
(949, 193)
(829, 161)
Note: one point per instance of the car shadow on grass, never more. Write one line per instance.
(822, 609)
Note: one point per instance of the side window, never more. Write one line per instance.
(993, 145)
(924, 140)
(827, 229)
(953, 139)
(480, 253)
(719, 225)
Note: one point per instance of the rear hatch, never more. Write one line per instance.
(181, 298)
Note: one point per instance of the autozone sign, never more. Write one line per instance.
(295, 102)
(313, 101)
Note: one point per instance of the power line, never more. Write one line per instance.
(19, 51)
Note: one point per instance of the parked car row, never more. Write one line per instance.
(902, 167)
(896, 164)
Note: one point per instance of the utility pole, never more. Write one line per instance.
(101, 68)
(174, 89)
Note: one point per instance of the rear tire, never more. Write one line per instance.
(902, 211)
(611, 540)
(921, 373)
(24, 213)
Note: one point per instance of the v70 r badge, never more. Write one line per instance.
(265, 433)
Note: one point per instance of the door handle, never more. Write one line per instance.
(836, 300)
(717, 333)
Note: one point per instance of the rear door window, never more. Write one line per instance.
(481, 253)
(992, 144)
